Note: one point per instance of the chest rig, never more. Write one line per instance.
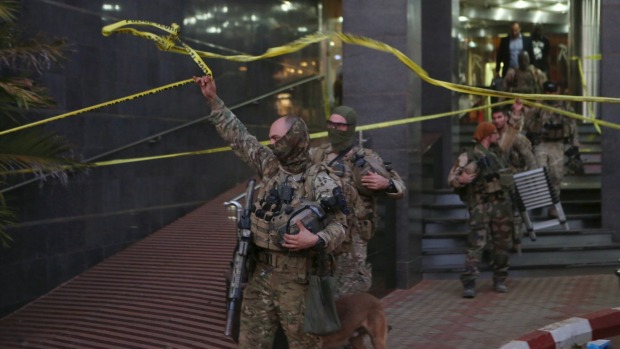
(490, 168)
(275, 201)
(553, 128)
(362, 219)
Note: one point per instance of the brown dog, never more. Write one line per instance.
(360, 314)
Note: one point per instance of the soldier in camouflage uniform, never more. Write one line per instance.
(549, 132)
(517, 150)
(364, 178)
(477, 176)
(525, 79)
(275, 292)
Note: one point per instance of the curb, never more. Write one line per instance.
(577, 330)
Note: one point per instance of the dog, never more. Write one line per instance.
(360, 314)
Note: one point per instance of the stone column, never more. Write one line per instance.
(610, 76)
(380, 88)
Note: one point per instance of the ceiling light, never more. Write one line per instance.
(559, 7)
(463, 19)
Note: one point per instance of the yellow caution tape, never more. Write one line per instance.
(100, 105)
(163, 43)
(572, 115)
(585, 88)
(303, 42)
(168, 43)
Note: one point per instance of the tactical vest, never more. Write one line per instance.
(487, 185)
(347, 172)
(277, 200)
(553, 126)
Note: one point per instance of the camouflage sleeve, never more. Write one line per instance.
(399, 184)
(335, 222)
(456, 170)
(531, 120)
(509, 79)
(234, 132)
(524, 147)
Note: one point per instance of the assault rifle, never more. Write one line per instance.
(240, 259)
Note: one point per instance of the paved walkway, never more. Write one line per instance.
(433, 315)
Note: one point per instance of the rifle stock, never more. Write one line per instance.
(240, 258)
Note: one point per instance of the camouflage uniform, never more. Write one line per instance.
(549, 132)
(353, 272)
(490, 211)
(275, 293)
(527, 80)
(517, 150)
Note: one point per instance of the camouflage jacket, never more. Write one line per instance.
(264, 162)
(487, 164)
(543, 125)
(362, 201)
(517, 150)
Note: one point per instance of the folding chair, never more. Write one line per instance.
(533, 190)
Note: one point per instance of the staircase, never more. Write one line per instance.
(584, 249)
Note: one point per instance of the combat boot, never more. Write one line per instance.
(500, 286)
(469, 289)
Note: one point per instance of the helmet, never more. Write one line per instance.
(310, 213)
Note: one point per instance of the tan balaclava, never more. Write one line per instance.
(292, 149)
(342, 140)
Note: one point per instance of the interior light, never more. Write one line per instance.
(286, 6)
(521, 4)
(559, 7)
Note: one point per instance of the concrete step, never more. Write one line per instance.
(546, 238)
(541, 256)
(453, 272)
(458, 224)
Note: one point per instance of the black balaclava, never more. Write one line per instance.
(342, 140)
(292, 149)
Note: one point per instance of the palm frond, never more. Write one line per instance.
(34, 54)
(8, 10)
(24, 93)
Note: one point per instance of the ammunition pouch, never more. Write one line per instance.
(553, 132)
(506, 180)
(366, 229)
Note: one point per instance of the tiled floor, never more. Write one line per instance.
(432, 314)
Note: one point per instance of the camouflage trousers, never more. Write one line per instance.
(551, 156)
(490, 227)
(273, 299)
(353, 273)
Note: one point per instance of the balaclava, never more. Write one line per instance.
(342, 140)
(292, 149)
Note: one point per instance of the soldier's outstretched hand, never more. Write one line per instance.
(207, 86)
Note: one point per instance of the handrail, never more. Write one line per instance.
(235, 202)
(173, 129)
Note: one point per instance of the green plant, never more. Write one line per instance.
(30, 150)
